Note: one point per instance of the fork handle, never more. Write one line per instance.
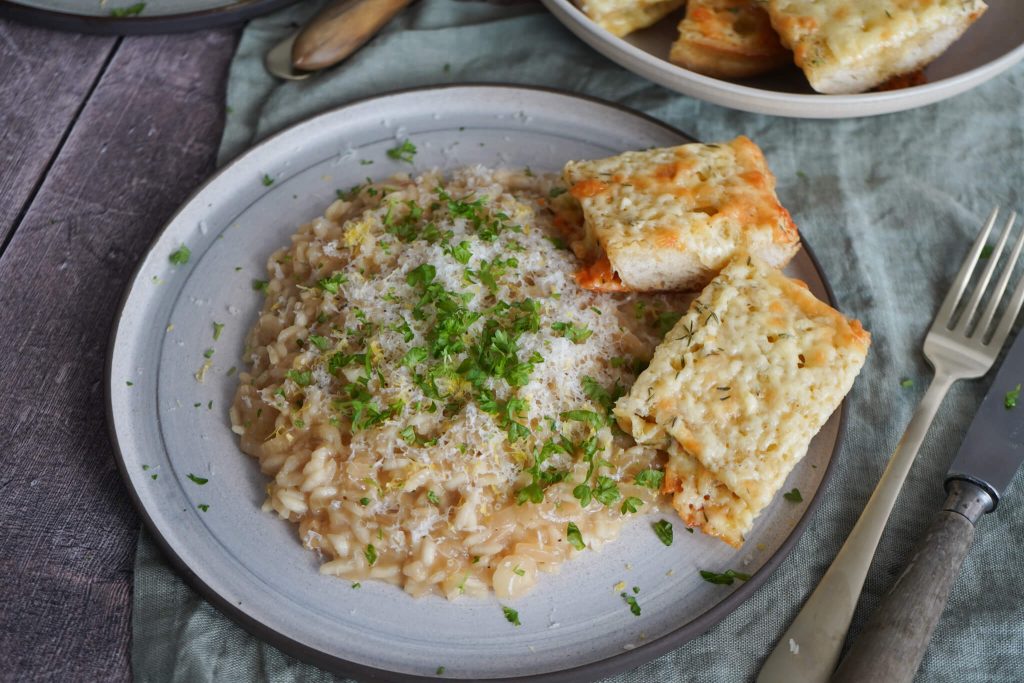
(893, 642)
(809, 650)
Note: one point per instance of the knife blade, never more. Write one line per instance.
(993, 448)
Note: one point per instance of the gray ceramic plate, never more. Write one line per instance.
(993, 44)
(166, 425)
(156, 16)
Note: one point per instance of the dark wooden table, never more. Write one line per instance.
(101, 139)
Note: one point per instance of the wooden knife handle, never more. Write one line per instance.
(340, 29)
(893, 643)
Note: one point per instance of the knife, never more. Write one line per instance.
(892, 644)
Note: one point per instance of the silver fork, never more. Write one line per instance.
(957, 349)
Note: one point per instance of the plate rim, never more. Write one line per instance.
(226, 15)
(761, 101)
(616, 663)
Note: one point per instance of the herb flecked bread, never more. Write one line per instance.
(737, 390)
(728, 39)
(851, 47)
(671, 218)
(621, 18)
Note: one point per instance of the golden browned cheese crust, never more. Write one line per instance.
(621, 18)
(738, 389)
(728, 39)
(851, 47)
(671, 218)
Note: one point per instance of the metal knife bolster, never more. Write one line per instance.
(968, 498)
(993, 448)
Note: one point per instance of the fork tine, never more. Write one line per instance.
(971, 308)
(1009, 316)
(997, 295)
(945, 314)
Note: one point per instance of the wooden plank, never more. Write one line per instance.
(45, 80)
(145, 139)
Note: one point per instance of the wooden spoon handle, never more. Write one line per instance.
(340, 29)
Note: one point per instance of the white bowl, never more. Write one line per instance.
(993, 44)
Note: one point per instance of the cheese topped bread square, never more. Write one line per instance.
(850, 47)
(728, 39)
(737, 390)
(670, 218)
(622, 17)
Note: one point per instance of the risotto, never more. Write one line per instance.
(429, 391)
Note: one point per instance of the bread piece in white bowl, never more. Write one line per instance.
(851, 47)
(728, 39)
(622, 17)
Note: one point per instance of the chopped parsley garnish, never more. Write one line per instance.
(356, 585)
(793, 496)
(631, 504)
(403, 152)
(197, 480)
(364, 501)
(414, 356)
(634, 606)
(440, 669)
(986, 251)
(260, 286)
(518, 571)
(601, 396)
(1010, 400)
(130, 383)
(370, 554)
(906, 383)
(322, 343)
(595, 420)
(432, 497)
(725, 578)
(650, 479)
(663, 529)
(180, 256)
(267, 180)
(332, 283)
(606, 491)
(575, 538)
(203, 506)
(511, 615)
(577, 334)
(129, 11)
(583, 493)
(461, 252)
(208, 353)
(217, 329)
(301, 377)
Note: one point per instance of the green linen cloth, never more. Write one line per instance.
(888, 205)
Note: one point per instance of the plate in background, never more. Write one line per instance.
(166, 426)
(156, 16)
(994, 43)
